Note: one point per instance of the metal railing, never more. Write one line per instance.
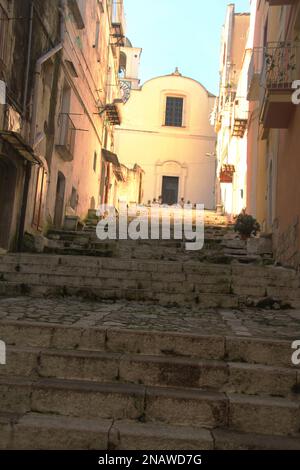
(280, 65)
(67, 133)
(275, 67)
(256, 62)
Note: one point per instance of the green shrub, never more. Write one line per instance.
(246, 225)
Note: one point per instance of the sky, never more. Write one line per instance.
(177, 33)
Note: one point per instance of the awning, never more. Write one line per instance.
(112, 114)
(110, 157)
(16, 141)
(119, 173)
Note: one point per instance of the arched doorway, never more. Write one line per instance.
(8, 180)
(171, 181)
(170, 190)
(60, 200)
(123, 65)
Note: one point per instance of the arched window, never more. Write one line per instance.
(123, 65)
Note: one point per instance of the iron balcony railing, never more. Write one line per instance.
(280, 65)
(67, 134)
(256, 62)
(272, 67)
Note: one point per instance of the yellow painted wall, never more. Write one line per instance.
(169, 151)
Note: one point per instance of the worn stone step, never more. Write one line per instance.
(136, 280)
(64, 272)
(28, 334)
(148, 436)
(225, 439)
(264, 415)
(238, 274)
(166, 297)
(34, 431)
(261, 415)
(150, 370)
(49, 432)
(113, 401)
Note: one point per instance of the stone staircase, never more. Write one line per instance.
(71, 383)
(164, 282)
(222, 245)
(86, 243)
(66, 387)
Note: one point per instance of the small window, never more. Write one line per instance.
(114, 11)
(97, 35)
(174, 112)
(74, 198)
(95, 162)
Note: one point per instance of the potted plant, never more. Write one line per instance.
(246, 225)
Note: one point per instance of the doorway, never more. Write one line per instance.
(170, 189)
(60, 199)
(8, 181)
(270, 197)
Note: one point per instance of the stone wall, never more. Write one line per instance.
(286, 245)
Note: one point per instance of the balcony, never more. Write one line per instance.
(239, 122)
(117, 35)
(66, 138)
(112, 112)
(226, 174)
(117, 24)
(279, 72)
(254, 74)
(276, 3)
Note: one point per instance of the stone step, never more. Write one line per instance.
(275, 276)
(225, 439)
(151, 371)
(178, 406)
(33, 431)
(165, 282)
(112, 401)
(162, 295)
(269, 352)
(49, 432)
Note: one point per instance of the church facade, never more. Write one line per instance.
(166, 129)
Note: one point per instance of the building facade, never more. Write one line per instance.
(232, 112)
(267, 71)
(59, 66)
(275, 135)
(166, 128)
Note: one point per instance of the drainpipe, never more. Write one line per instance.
(37, 76)
(36, 93)
(25, 95)
(32, 137)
